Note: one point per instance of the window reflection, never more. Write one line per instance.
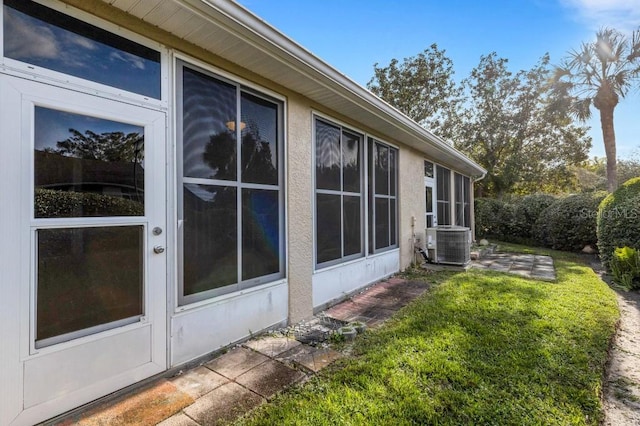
(259, 140)
(352, 227)
(208, 125)
(210, 255)
(327, 156)
(87, 166)
(351, 162)
(328, 228)
(46, 38)
(260, 233)
(87, 277)
(381, 169)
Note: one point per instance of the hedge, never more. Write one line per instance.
(619, 220)
(53, 203)
(570, 223)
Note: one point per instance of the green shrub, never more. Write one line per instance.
(619, 220)
(53, 203)
(526, 213)
(494, 218)
(625, 266)
(569, 223)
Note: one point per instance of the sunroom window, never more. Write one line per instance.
(383, 178)
(339, 187)
(231, 213)
(463, 200)
(40, 36)
(443, 182)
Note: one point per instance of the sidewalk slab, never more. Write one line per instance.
(269, 378)
(198, 381)
(236, 362)
(310, 357)
(272, 346)
(223, 404)
(147, 407)
(179, 419)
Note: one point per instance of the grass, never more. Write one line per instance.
(479, 348)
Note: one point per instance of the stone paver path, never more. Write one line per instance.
(248, 375)
(527, 265)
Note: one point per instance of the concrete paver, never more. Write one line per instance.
(198, 381)
(179, 419)
(236, 362)
(148, 406)
(272, 346)
(223, 404)
(269, 378)
(530, 266)
(310, 357)
(234, 383)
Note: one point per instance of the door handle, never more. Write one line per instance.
(158, 249)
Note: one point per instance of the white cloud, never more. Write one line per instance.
(25, 42)
(133, 60)
(623, 15)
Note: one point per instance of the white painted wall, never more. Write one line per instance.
(336, 282)
(227, 319)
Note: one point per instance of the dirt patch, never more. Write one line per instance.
(622, 378)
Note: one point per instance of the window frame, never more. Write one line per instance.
(67, 81)
(241, 86)
(341, 192)
(462, 188)
(440, 201)
(371, 142)
(429, 182)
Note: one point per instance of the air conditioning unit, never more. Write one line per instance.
(448, 244)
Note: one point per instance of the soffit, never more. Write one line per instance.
(230, 31)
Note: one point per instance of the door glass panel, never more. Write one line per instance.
(328, 228)
(327, 156)
(429, 197)
(87, 277)
(86, 166)
(260, 233)
(209, 127)
(41, 36)
(259, 126)
(352, 228)
(210, 237)
(351, 162)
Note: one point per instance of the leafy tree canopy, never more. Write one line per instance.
(508, 126)
(421, 86)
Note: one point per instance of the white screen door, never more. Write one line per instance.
(93, 184)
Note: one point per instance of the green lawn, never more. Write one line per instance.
(478, 348)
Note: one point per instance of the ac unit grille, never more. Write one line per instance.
(453, 246)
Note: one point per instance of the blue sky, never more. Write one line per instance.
(352, 35)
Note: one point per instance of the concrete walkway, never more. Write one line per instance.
(527, 265)
(250, 374)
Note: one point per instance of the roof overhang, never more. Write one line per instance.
(232, 32)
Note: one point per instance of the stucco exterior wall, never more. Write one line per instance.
(412, 202)
(300, 209)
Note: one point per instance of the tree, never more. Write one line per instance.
(508, 126)
(422, 87)
(108, 146)
(599, 74)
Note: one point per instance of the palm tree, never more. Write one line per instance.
(600, 73)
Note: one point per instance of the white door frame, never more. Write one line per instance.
(44, 382)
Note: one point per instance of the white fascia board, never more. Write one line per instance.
(269, 40)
